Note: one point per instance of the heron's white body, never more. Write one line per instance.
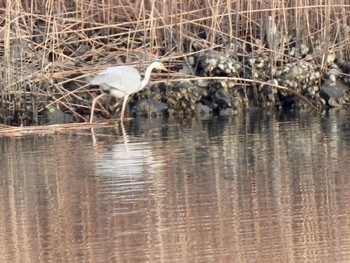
(121, 82)
(118, 81)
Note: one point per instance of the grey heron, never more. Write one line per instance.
(121, 82)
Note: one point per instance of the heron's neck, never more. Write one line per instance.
(147, 76)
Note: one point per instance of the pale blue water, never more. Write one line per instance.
(246, 188)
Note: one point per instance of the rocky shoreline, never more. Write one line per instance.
(224, 89)
(221, 84)
(207, 83)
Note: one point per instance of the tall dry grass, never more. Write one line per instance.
(48, 50)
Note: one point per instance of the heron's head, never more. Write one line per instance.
(157, 64)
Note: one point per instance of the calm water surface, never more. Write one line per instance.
(248, 188)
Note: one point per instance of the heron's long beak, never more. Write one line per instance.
(164, 69)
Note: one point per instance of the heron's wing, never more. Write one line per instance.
(122, 79)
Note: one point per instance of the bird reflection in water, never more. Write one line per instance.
(124, 165)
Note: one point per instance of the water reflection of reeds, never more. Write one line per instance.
(240, 191)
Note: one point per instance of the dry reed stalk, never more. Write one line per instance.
(10, 131)
(46, 52)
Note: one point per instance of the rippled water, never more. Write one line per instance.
(247, 188)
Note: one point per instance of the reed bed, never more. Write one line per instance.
(48, 52)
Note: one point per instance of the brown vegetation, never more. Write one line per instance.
(49, 49)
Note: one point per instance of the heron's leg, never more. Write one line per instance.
(93, 105)
(125, 101)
